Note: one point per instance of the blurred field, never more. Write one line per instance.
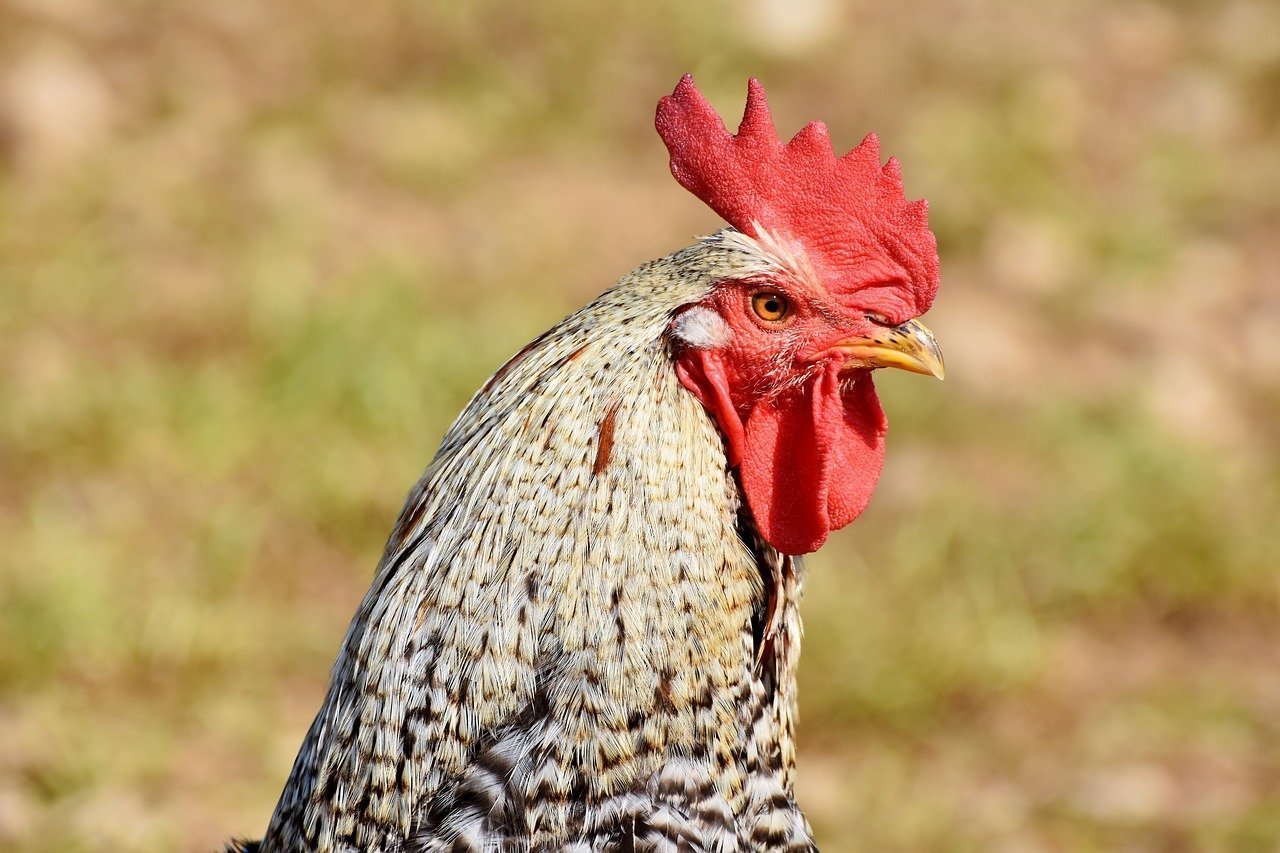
(255, 256)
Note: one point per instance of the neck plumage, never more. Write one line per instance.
(582, 466)
(569, 583)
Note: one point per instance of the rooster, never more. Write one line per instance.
(584, 630)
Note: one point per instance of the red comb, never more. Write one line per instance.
(848, 213)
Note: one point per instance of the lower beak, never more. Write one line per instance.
(908, 347)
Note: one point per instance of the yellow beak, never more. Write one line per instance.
(909, 347)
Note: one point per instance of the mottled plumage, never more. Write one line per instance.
(575, 636)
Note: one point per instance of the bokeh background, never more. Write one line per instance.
(255, 256)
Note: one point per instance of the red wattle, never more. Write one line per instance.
(812, 460)
(809, 458)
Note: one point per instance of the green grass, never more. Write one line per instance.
(253, 259)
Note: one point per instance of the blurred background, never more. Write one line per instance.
(254, 257)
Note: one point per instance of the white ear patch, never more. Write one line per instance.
(701, 327)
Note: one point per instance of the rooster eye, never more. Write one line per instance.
(770, 307)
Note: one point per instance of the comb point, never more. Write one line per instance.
(813, 139)
(757, 121)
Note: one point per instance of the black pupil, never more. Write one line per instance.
(772, 306)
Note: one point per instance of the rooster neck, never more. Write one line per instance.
(585, 471)
(568, 594)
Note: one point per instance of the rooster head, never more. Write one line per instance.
(782, 356)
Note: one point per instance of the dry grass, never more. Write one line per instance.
(254, 257)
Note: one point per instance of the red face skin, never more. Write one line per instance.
(801, 419)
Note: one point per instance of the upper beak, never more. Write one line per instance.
(910, 347)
